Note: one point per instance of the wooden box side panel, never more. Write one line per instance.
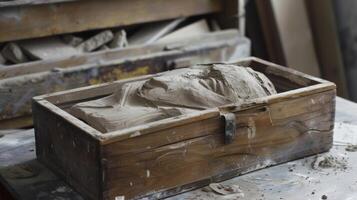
(68, 151)
(161, 164)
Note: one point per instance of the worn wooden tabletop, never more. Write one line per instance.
(26, 179)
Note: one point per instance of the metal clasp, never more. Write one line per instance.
(230, 127)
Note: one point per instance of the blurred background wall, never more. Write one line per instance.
(316, 37)
(346, 20)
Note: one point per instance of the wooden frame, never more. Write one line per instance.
(173, 155)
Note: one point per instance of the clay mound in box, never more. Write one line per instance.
(173, 93)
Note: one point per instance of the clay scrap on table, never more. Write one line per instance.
(173, 93)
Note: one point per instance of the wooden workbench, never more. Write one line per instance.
(26, 179)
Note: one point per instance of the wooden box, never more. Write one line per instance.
(178, 154)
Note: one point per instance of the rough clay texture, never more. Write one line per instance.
(96, 41)
(351, 148)
(13, 53)
(336, 163)
(119, 40)
(174, 93)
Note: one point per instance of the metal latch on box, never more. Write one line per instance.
(229, 128)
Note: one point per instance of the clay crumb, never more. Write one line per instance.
(323, 197)
(325, 162)
(351, 148)
(226, 189)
